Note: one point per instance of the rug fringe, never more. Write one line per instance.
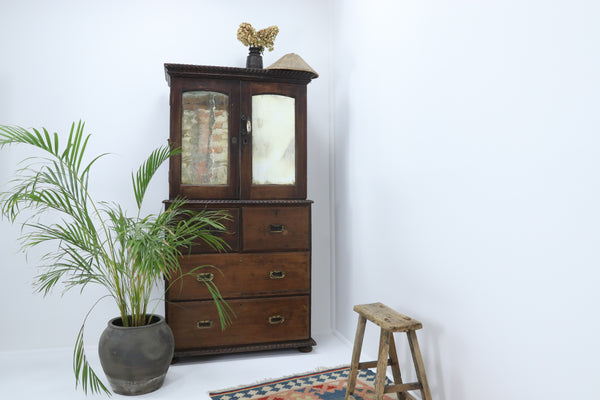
(267, 380)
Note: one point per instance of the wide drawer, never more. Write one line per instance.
(275, 228)
(195, 324)
(240, 275)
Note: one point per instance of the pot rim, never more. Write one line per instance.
(111, 323)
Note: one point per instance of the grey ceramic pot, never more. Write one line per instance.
(136, 359)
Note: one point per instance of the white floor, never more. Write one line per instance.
(48, 374)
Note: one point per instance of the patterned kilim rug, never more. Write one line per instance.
(323, 385)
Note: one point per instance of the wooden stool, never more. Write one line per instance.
(390, 321)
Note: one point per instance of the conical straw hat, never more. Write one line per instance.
(294, 62)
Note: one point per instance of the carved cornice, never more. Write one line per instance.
(217, 72)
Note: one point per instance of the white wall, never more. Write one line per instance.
(103, 62)
(467, 160)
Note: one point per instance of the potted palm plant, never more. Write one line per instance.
(97, 242)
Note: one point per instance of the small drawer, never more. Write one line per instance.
(285, 228)
(230, 236)
(195, 324)
(238, 275)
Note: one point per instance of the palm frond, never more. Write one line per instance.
(224, 310)
(84, 373)
(144, 174)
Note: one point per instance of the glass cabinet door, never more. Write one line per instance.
(204, 138)
(206, 132)
(274, 160)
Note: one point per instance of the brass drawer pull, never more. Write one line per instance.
(277, 274)
(276, 228)
(276, 319)
(204, 324)
(205, 277)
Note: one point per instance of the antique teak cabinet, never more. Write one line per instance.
(242, 133)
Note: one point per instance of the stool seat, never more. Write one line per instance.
(387, 318)
(389, 321)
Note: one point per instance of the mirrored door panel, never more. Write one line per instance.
(204, 138)
(273, 140)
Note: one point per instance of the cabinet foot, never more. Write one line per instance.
(305, 349)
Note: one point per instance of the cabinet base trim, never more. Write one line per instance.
(301, 345)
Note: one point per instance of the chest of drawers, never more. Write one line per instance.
(264, 277)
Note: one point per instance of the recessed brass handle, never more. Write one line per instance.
(204, 324)
(276, 319)
(276, 228)
(277, 274)
(205, 277)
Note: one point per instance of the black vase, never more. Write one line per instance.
(135, 360)
(254, 59)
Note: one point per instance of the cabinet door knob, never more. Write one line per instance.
(246, 125)
(246, 129)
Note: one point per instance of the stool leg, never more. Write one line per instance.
(382, 360)
(358, 339)
(395, 366)
(419, 365)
